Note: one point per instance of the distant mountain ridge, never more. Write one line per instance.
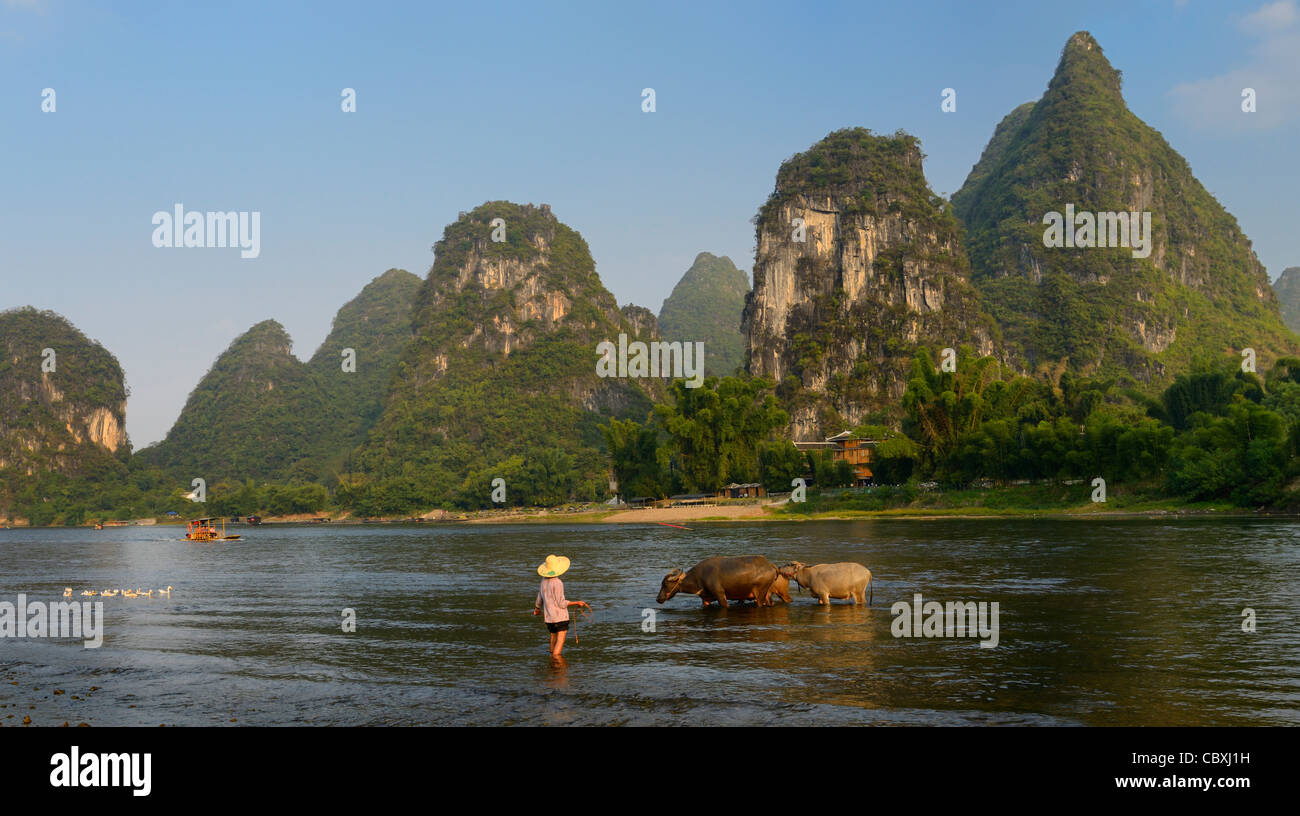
(1287, 287)
(706, 306)
(260, 413)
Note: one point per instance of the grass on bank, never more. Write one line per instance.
(1017, 500)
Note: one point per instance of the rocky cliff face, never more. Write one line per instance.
(1287, 287)
(1101, 309)
(858, 264)
(61, 411)
(503, 360)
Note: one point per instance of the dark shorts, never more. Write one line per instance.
(557, 627)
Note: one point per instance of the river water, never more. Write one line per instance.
(1101, 622)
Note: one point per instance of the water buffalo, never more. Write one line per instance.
(780, 589)
(721, 578)
(843, 580)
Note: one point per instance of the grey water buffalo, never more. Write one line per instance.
(845, 580)
(724, 578)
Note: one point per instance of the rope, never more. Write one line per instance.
(575, 616)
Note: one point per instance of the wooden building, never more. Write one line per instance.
(855, 450)
(750, 490)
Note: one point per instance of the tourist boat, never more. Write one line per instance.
(205, 529)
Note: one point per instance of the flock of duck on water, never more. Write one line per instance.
(125, 593)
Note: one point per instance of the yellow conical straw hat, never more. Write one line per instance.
(555, 565)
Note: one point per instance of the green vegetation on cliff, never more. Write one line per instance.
(834, 318)
(255, 414)
(376, 326)
(262, 414)
(1003, 137)
(1102, 311)
(1287, 287)
(706, 306)
(62, 413)
(500, 379)
(870, 174)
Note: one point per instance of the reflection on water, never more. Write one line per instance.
(1102, 622)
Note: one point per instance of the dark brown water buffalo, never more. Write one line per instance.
(723, 578)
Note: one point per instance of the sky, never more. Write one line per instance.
(238, 106)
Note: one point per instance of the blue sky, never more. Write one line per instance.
(236, 106)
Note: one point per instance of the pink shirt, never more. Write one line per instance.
(550, 597)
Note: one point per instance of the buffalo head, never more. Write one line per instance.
(792, 570)
(672, 581)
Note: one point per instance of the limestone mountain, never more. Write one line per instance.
(255, 413)
(1287, 287)
(501, 379)
(706, 306)
(376, 326)
(262, 414)
(643, 320)
(858, 264)
(992, 155)
(62, 402)
(1100, 309)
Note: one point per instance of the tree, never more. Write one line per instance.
(1210, 390)
(1241, 456)
(634, 458)
(547, 478)
(714, 430)
(779, 463)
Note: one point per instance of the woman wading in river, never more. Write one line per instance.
(551, 601)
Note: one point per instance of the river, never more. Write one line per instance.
(1101, 622)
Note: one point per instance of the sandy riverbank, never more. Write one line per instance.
(644, 515)
(771, 512)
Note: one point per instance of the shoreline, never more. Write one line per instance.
(728, 514)
(766, 513)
